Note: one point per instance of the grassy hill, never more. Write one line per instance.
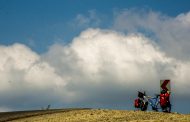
(93, 115)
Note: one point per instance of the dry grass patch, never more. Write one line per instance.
(107, 116)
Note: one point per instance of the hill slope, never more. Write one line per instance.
(94, 115)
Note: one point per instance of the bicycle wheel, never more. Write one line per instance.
(144, 106)
(154, 108)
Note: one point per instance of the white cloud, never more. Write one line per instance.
(171, 33)
(24, 77)
(99, 64)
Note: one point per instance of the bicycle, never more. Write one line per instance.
(154, 102)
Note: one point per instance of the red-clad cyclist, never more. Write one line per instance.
(165, 101)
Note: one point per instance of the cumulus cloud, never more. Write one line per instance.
(101, 68)
(171, 33)
(107, 67)
(24, 78)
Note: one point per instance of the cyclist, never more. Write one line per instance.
(165, 101)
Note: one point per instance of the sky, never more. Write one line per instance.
(96, 54)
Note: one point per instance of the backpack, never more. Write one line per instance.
(137, 103)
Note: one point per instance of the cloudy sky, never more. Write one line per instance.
(95, 54)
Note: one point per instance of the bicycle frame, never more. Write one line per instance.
(153, 101)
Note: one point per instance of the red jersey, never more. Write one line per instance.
(164, 99)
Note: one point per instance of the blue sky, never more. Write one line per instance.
(39, 24)
(88, 53)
